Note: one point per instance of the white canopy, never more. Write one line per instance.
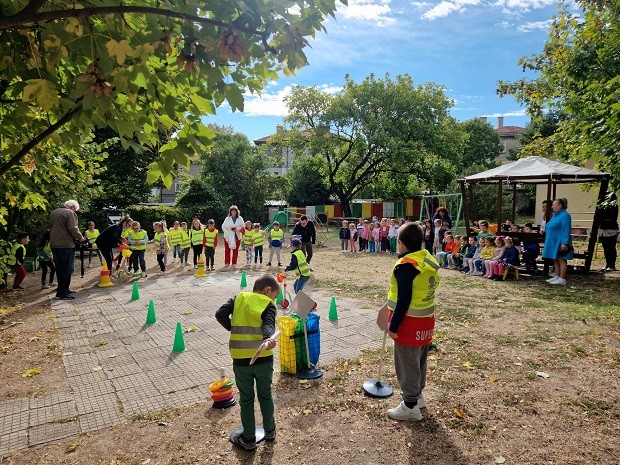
(537, 170)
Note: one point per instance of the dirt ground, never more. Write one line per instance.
(488, 394)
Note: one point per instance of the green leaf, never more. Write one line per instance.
(43, 92)
(234, 97)
(120, 50)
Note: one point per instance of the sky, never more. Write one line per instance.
(464, 45)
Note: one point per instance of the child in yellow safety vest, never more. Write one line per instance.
(299, 265)
(16, 260)
(209, 242)
(276, 239)
(196, 233)
(92, 234)
(175, 240)
(137, 239)
(161, 246)
(46, 260)
(248, 234)
(258, 240)
(186, 244)
(251, 319)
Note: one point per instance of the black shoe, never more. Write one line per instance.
(65, 297)
(279, 264)
(269, 264)
(243, 443)
(18, 288)
(270, 436)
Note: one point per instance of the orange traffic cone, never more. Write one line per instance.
(105, 280)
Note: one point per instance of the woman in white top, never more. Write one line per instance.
(231, 227)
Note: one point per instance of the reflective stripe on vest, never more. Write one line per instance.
(12, 259)
(258, 239)
(175, 236)
(195, 236)
(91, 235)
(246, 325)
(137, 236)
(210, 237)
(277, 235)
(303, 269)
(185, 241)
(423, 287)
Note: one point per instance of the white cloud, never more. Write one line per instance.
(378, 12)
(444, 8)
(510, 113)
(272, 104)
(534, 25)
(524, 5)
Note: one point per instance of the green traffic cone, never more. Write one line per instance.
(333, 311)
(280, 296)
(150, 315)
(135, 294)
(179, 342)
(244, 280)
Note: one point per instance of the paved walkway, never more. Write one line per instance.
(118, 367)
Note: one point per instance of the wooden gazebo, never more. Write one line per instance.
(535, 170)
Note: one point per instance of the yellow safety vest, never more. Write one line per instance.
(91, 235)
(248, 236)
(258, 239)
(424, 286)
(175, 236)
(157, 238)
(137, 236)
(277, 235)
(303, 268)
(12, 259)
(186, 243)
(195, 236)
(126, 232)
(246, 333)
(210, 237)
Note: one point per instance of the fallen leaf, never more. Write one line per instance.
(186, 313)
(459, 413)
(146, 462)
(467, 364)
(307, 412)
(97, 368)
(102, 343)
(518, 364)
(542, 374)
(192, 329)
(30, 373)
(71, 447)
(34, 338)
(491, 379)
(64, 354)
(500, 459)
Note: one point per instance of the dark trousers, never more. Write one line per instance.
(107, 256)
(47, 265)
(137, 256)
(609, 249)
(64, 259)
(209, 257)
(197, 251)
(307, 248)
(160, 261)
(258, 252)
(90, 255)
(185, 255)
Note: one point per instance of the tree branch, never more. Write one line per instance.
(32, 7)
(36, 140)
(24, 18)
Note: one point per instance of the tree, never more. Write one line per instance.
(483, 145)
(578, 75)
(375, 127)
(308, 185)
(235, 170)
(123, 175)
(147, 71)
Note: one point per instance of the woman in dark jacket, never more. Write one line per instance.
(110, 238)
(442, 214)
(609, 232)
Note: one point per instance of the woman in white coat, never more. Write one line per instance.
(231, 227)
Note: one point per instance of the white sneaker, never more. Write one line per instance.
(161, 273)
(552, 280)
(402, 412)
(552, 274)
(559, 281)
(421, 402)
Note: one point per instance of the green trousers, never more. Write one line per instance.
(244, 378)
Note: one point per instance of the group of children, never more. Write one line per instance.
(374, 236)
(484, 254)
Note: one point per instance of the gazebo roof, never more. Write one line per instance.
(537, 170)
